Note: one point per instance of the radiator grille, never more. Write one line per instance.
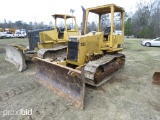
(73, 50)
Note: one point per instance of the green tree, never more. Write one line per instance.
(128, 27)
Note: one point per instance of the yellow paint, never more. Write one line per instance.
(91, 45)
(49, 38)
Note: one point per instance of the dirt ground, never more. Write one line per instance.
(130, 95)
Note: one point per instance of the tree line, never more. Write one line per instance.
(23, 25)
(143, 23)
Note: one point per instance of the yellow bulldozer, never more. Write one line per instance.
(50, 43)
(92, 58)
(10, 30)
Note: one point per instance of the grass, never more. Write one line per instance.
(9, 41)
(14, 41)
(130, 95)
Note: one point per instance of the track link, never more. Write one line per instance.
(99, 71)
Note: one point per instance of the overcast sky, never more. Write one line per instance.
(41, 10)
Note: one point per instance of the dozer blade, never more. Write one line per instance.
(16, 57)
(156, 78)
(67, 82)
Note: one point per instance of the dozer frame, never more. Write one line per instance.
(92, 58)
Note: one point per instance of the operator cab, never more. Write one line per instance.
(106, 19)
(64, 24)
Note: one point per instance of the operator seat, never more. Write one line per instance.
(61, 32)
(107, 31)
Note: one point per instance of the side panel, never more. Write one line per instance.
(119, 39)
(34, 38)
(116, 43)
(48, 35)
